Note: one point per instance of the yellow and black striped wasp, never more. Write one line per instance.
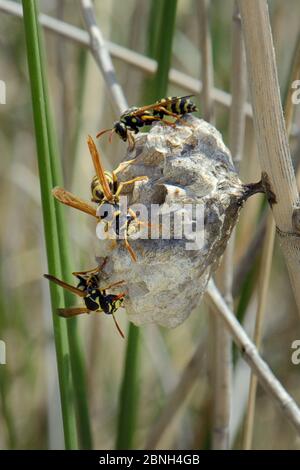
(134, 118)
(95, 297)
(106, 190)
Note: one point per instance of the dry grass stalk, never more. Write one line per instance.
(245, 263)
(221, 360)
(206, 61)
(223, 386)
(133, 58)
(266, 263)
(177, 397)
(263, 285)
(238, 90)
(259, 367)
(295, 75)
(271, 135)
(102, 56)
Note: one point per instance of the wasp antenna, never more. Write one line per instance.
(102, 132)
(111, 134)
(118, 326)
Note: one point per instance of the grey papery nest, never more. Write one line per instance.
(190, 166)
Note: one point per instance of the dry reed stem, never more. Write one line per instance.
(206, 61)
(263, 285)
(258, 366)
(295, 75)
(237, 121)
(102, 56)
(266, 263)
(246, 262)
(135, 59)
(177, 397)
(223, 386)
(221, 360)
(271, 135)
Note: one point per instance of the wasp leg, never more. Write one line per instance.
(122, 166)
(157, 118)
(130, 250)
(169, 113)
(167, 123)
(89, 271)
(165, 111)
(150, 118)
(98, 269)
(132, 213)
(127, 245)
(115, 284)
(69, 199)
(131, 141)
(142, 222)
(125, 183)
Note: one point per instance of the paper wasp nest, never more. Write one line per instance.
(185, 164)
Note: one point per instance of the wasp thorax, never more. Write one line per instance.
(191, 179)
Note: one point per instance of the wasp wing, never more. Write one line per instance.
(162, 102)
(99, 168)
(65, 285)
(69, 199)
(72, 311)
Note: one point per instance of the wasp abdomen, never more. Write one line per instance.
(176, 105)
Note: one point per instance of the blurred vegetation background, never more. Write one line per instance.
(29, 399)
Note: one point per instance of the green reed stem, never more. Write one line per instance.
(129, 393)
(161, 30)
(76, 357)
(65, 332)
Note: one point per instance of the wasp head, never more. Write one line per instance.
(121, 129)
(110, 303)
(97, 188)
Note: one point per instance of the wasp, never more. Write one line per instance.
(95, 298)
(105, 189)
(134, 118)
